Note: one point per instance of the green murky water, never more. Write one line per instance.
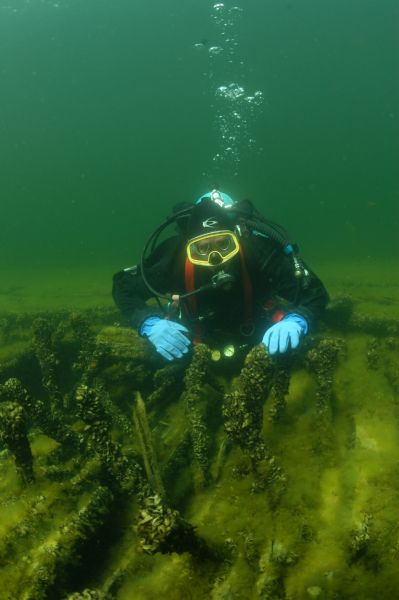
(110, 113)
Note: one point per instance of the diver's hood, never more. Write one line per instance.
(207, 217)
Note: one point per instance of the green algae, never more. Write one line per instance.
(330, 531)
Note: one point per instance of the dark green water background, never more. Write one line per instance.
(106, 121)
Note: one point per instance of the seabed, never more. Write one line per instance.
(124, 478)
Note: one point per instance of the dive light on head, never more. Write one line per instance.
(220, 198)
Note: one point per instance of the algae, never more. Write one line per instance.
(122, 477)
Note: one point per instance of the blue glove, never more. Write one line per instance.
(166, 336)
(285, 334)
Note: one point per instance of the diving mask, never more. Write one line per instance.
(212, 249)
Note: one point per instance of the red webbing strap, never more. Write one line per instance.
(192, 300)
(278, 316)
(247, 285)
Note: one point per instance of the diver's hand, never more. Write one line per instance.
(167, 337)
(285, 334)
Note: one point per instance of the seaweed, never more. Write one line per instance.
(123, 477)
(13, 433)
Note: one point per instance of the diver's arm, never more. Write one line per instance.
(130, 295)
(306, 298)
(306, 295)
(129, 290)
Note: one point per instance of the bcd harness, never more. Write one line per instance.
(247, 326)
(258, 227)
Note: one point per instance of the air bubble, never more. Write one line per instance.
(234, 108)
(215, 50)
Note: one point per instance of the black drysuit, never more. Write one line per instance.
(222, 314)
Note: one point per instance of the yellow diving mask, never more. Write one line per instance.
(212, 249)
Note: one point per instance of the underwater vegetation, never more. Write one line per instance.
(247, 478)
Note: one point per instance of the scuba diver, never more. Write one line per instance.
(228, 277)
